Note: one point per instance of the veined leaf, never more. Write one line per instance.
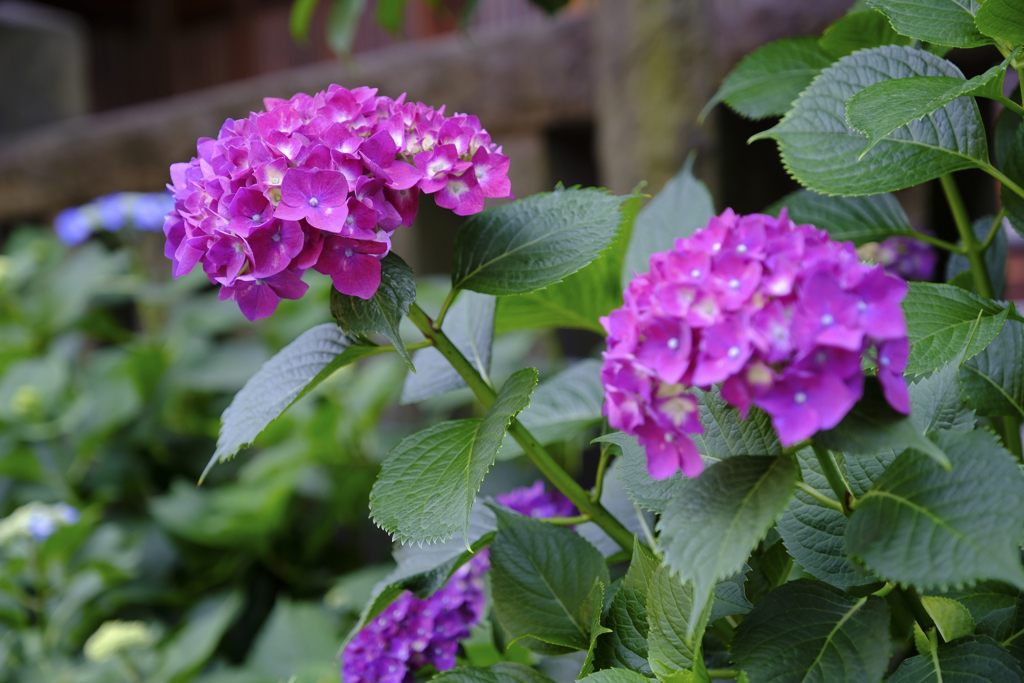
(682, 207)
(940, 321)
(625, 646)
(502, 672)
(935, 402)
(617, 676)
(676, 618)
(810, 631)
(714, 521)
(283, 380)
(528, 244)
(1013, 167)
(856, 219)
(952, 619)
(429, 481)
(767, 80)
(542, 578)
(596, 629)
(381, 313)
(930, 528)
(881, 108)
(970, 659)
(858, 31)
(993, 381)
(1003, 19)
(823, 152)
(946, 22)
(579, 300)
(645, 491)
(731, 596)
(470, 325)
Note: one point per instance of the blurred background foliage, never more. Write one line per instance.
(112, 382)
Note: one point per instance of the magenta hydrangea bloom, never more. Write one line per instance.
(776, 313)
(412, 633)
(320, 182)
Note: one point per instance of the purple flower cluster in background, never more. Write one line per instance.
(905, 257)
(777, 313)
(140, 210)
(321, 182)
(412, 633)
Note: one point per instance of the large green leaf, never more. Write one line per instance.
(922, 525)
(429, 481)
(881, 108)
(563, 406)
(283, 380)
(1003, 19)
(935, 402)
(767, 80)
(714, 521)
(813, 532)
(682, 207)
(676, 616)
(626, 645)
(185, 653)
(502, 672)
(940, 321)
(579, 300)
(873, 424)
(731, 596)
(529, 244)
(542, 578)
(988, 599)
(993, 381)
(810, 631)
(860, 30)
(946, 22)
(645, 491)
(382, 313)
(470, 325)
(968, 660)
(1013, 167)
(856, 219)
(823, 152)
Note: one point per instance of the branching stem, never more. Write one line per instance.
(970, 241)
(449, 300)
(602, 467)
(819, 496)
(533, 449)
(994, 230)
(836, 479)
(932, 240)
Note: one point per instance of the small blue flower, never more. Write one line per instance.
(73, 226)
(41, 526)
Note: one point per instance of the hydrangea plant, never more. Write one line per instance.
(807, 468)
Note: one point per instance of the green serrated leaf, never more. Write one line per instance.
(985, 598)
(823, 152)
(858, 31)
(682, 207)
(1003, 19)
(945, 22)
(596, 629)
(291, 374)
(935, 403)
(429, 481)
(952, 619)
(579, 300)
(993, 381)
(676, 616)
(731, 597)
(381, 313)
(542, 576)
(940, 321)
(927, 527)
(971, 659)
(856, 219)
(528, 244)
(879, 109)
(814, 533)
(873, 424)
(714, 521)
(767, 80)
(470, 325)
(502, 672)
(625, 646)
(809, 631)
(562, 407)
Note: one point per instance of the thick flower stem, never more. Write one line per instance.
(486, 394)
(836, 480)
(970, 241)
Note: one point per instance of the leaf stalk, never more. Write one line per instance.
(970, 241)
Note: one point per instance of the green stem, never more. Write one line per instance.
(885, 590)
(602, 466)
(724, 673)
(913, 601)
(1001, 177)
(449, 300)
(934, 241)
(970, 241)
(994, 230)
(819, 496)
(1009, 104)
(566, 521)
(486, 394)
(621, 556)
(1011, 436)
(836, 480)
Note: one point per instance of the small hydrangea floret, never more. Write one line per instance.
(321, 182)
(776, 313)
(412, 633)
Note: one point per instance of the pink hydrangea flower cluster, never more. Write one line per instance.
(412, 633)
(776, 313)
(321, 182)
